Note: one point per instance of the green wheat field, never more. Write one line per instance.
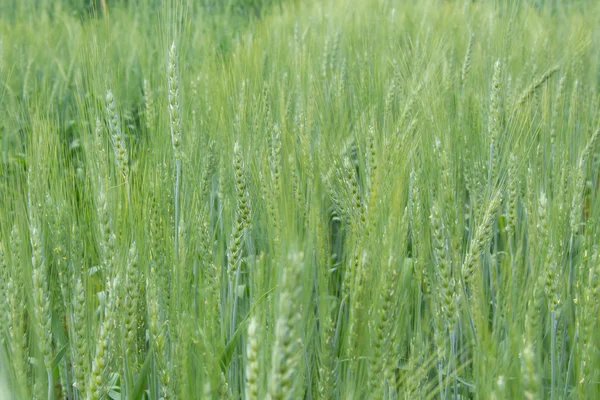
(285, 199)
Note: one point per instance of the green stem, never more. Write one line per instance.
(553, 356)
(51, 394)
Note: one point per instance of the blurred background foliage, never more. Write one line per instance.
(85, 8)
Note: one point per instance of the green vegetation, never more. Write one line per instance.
(300, 200)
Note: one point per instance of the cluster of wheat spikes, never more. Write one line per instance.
(337, 200)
